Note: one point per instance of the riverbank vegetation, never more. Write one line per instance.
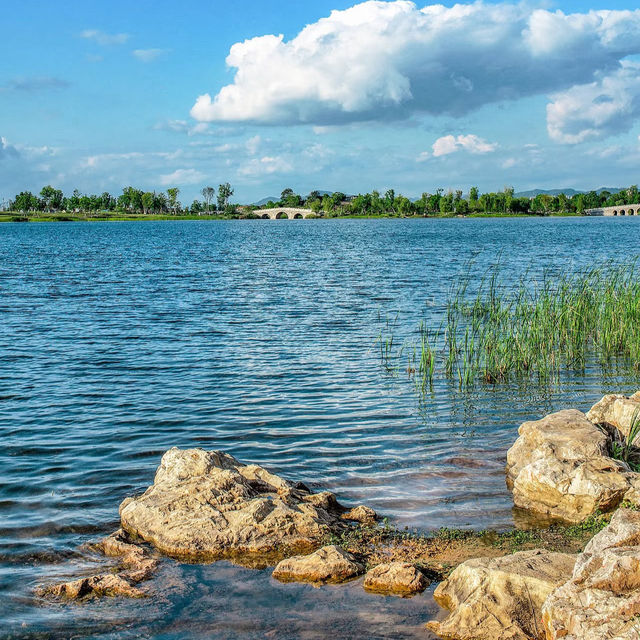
(528, 332)
(438, 553)
(53, 204)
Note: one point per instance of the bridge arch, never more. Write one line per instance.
(277, 213)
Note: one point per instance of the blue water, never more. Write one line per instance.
(120, 340)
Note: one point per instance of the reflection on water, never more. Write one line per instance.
(120, 340)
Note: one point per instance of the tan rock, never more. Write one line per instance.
(327, 565)
(207, 504)
(565, 435)
(395, 578)
(602, 599)
(569, 489)
(559, 467)
(106, 584)
(616, 411)
(365, 515)
(500, 598)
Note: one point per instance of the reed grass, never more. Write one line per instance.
(533, 332)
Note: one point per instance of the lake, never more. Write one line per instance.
(120, 340)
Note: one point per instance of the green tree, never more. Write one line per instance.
(208, 194)
(173, 193)
(225, 191)
(147, 202)
(51, 198)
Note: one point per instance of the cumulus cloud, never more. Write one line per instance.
(390, 59)
(471, 143)
(182, 176)
(148, 55)
(597, 109)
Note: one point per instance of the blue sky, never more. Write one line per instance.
(352, 96)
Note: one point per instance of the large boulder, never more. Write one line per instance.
(564, 435)
(327, 565)
(395, 578)
(500, 598)
(559, 467)
(601, 601)
(207, 505)
(617, 412)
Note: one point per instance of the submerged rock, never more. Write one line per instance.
(559, 467)
(327, 565)
(208, 505)
(105, 584)
(396, 578)
(601, 601)
(500, 598)
(135, 567)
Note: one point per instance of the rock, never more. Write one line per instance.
(136, 566)
(208, 505)
(571, 490)
(500, 598)
(327, 565)
(106, 584)
(365, 515)
(616, 411)
(559, 467)
(602, 598)
(565, 435)
(396, 578)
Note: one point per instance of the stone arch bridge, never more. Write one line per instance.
(618, 210)
(292, 213)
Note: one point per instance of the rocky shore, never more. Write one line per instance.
(534, 584)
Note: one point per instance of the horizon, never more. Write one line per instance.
(355, 96)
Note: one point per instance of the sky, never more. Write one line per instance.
(327, 95)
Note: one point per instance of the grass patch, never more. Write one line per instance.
(439, 552)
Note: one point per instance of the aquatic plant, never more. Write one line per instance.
(532, 332)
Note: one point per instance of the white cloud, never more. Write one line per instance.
(7, 150)
(471, 143)
(103, 38)
(182, 176)
(182, 126)
(390, 59)
(266, 165)
(605, 107)
(148, 55)
(423, 156)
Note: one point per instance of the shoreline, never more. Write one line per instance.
(22, 219)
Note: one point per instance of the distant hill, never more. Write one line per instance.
(567, 192)
(264, 201)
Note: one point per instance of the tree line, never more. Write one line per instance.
(132, 200)
(452, 202)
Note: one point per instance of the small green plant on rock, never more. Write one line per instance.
(626, 450)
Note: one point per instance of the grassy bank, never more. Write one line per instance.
(438, 553)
